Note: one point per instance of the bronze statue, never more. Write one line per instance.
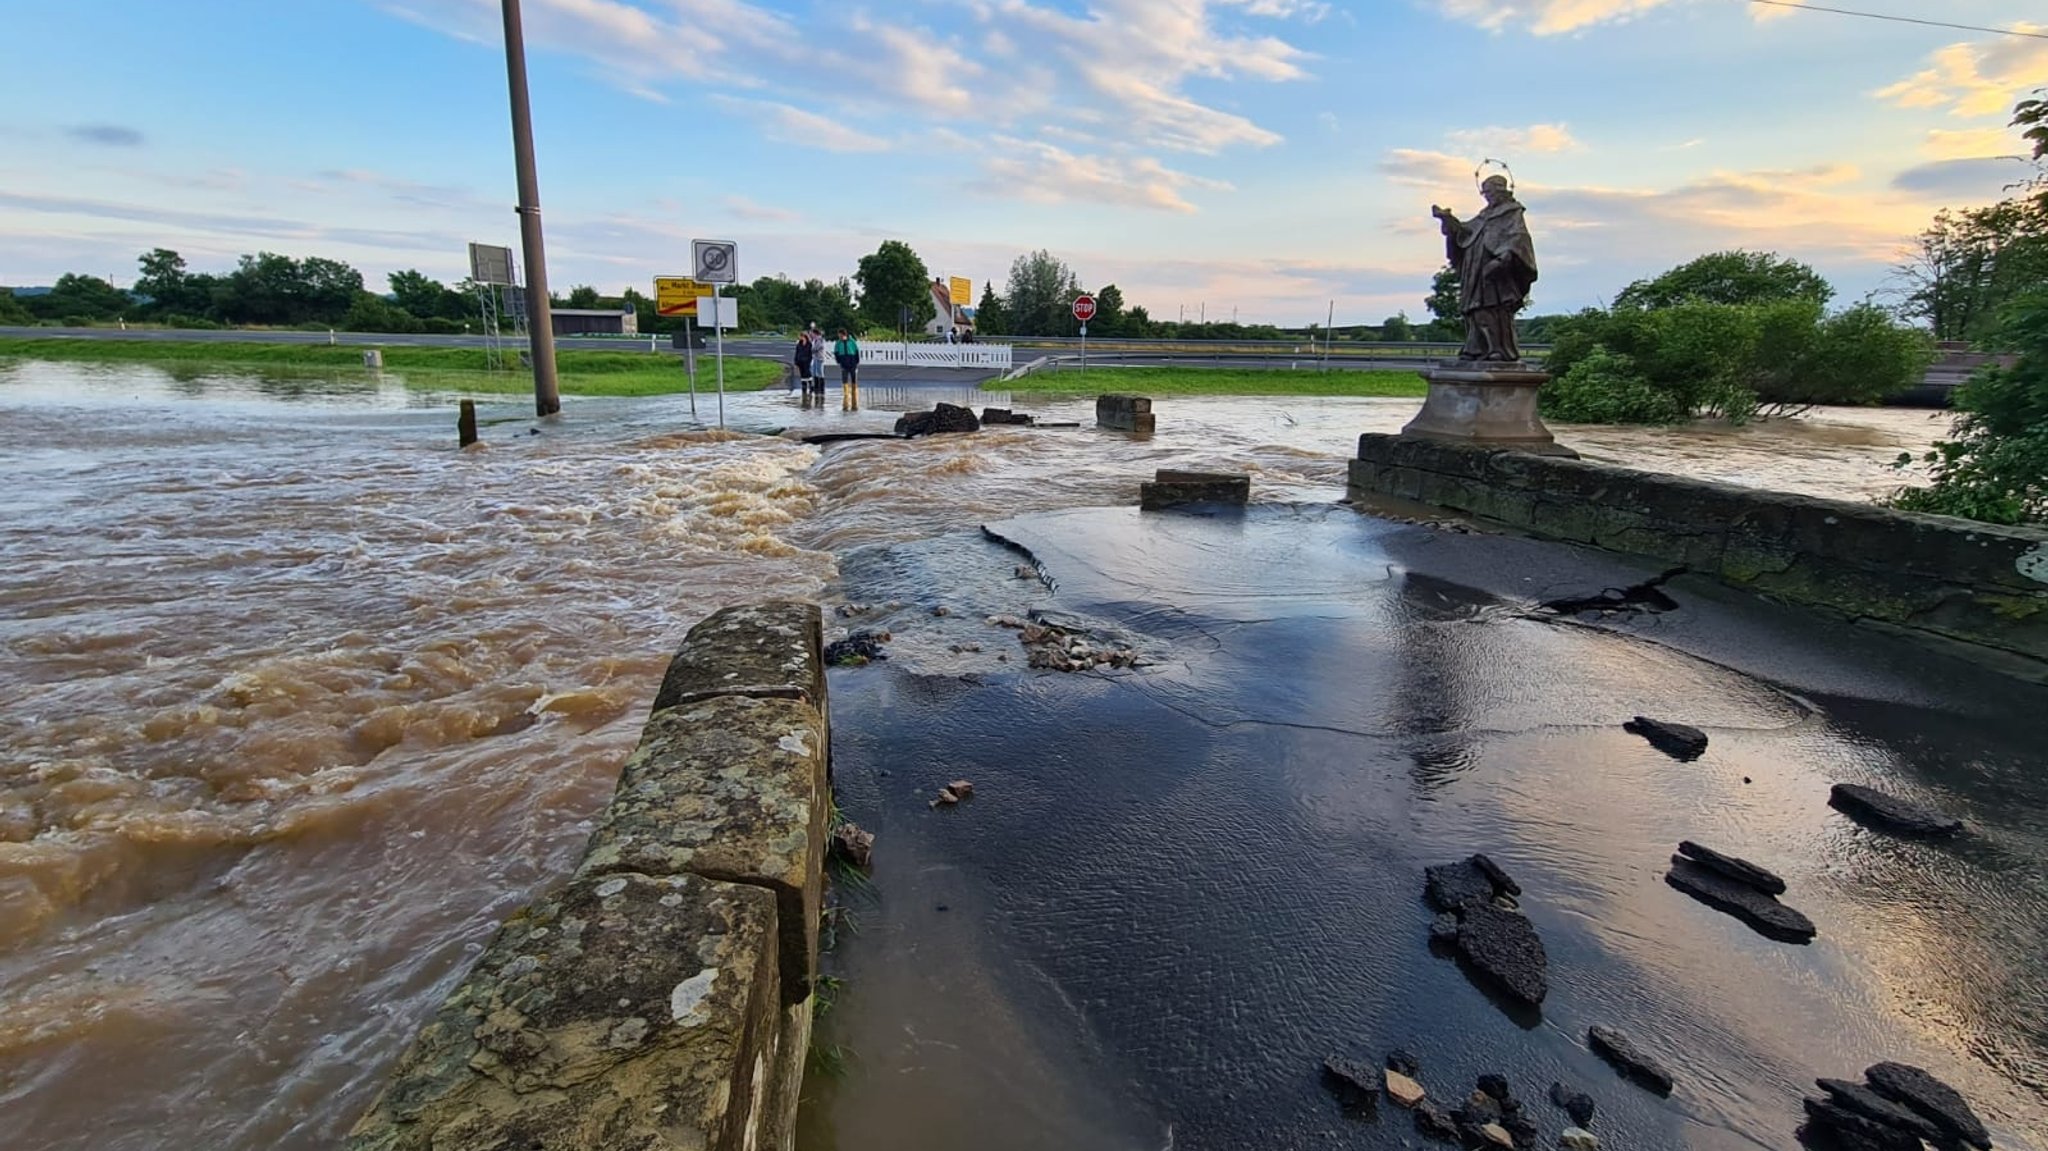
(1496, 262)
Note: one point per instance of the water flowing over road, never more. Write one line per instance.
(301, 700)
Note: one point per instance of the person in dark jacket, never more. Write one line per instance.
(846, 350)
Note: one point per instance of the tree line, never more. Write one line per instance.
(888, 291)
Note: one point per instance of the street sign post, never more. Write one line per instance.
(1084, 311)
(717, 262)
(678, 296)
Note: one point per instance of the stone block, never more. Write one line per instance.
(731, 789)
(786, 1080)
(768, 649)
(1124, 413)
(1171, 488)
(628, 1012)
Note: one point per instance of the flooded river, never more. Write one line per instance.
(299, 700)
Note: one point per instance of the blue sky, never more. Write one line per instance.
(1257, 156)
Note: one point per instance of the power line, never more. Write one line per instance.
(1902, 19)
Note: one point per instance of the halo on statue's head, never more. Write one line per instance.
(1492, 169)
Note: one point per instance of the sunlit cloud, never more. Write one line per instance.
(1545, 17)
(1043, 173)
(746, 209)
(1516, 141)
(1978, 79)
(789, 124)
(1968, 143)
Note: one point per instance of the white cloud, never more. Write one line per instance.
(1136, 57)
(1969, 143)
(1044, 173)
(792, 125)
(1508, 142)
(747, 209)
(1545, 17)
(1979, 79)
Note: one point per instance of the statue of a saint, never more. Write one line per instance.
(1496, 262)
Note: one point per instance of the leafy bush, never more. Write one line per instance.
(194, 323)
(440, 326)
(1605, 387)
(1996, 467)
(1859, 356)
(1737, 361)
(375, 314)
(1729, 278)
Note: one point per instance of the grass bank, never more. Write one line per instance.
(1216, 382)
(583, 373)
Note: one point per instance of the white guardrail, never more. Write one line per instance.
(994, 356)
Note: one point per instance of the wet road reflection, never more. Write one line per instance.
(1193, 881)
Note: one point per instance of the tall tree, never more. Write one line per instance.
(891, 279)
(11, 311)
(583, 296)
(426, 297)
(1110, 319)
(1442, 302)
(80, 297)
(1396, 329)
(990, 319)
(1041, 295)
(1735, 277)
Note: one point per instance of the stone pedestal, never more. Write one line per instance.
(1486, 405)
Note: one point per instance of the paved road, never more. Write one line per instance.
(753, 347)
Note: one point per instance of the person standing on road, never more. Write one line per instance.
(817, 338)
(846, 350)
(805, 350)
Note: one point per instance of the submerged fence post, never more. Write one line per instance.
(465, 424)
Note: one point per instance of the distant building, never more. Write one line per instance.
(945, 314)
(596, 322)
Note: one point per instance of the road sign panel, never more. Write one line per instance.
(961, 289)
(1084, 308)
(715, 261)
(678, 295)
(491, 265)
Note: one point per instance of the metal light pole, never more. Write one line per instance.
(540, 320)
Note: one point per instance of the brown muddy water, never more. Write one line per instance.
(298, 701)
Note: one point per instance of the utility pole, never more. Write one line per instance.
(540, 320)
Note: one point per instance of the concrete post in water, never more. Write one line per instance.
(540, 320)
(1124, 413)
(465, 424)
(373, 358)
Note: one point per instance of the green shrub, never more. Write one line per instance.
(194, 323)
(372, 313)
(1859, 356)
(1605, 387)
(1736, 361)
(1996, 467)
(441, 326)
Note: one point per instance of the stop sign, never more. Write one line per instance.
(1084, 308)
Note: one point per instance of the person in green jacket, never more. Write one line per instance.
(846, 350)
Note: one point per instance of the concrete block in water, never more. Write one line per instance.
(1123, 413)
(1171, 487)
(626, 1011)
(731, 789)
(770, 649)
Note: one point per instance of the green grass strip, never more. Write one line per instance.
(1170, 381)
(582, 373)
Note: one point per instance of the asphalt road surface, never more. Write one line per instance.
(754, 347)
